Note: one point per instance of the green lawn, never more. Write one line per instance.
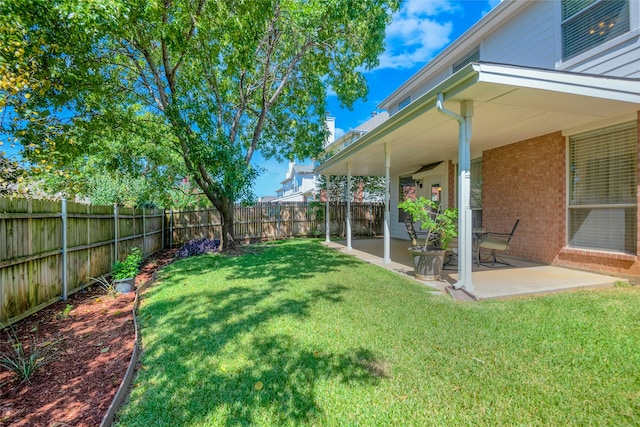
(297, 334)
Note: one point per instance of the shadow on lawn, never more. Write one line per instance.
(273, 377)
(298, 259)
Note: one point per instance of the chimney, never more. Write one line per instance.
(331, 127)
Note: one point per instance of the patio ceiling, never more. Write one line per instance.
(510, 104)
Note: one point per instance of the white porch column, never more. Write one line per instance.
(465, 238)
(348, 191)
(387, 204)
(327, 222)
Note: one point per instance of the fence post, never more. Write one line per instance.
(144, 235)
(170, 228)
(65, 261)
(164, 212)
(116, 230)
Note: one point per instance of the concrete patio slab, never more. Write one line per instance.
(523, 278)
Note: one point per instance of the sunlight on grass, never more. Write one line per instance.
(296, 334)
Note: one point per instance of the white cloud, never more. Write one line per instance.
(417, 32)
(338, 133)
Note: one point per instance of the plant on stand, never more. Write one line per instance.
(441, 227)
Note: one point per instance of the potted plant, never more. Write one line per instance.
(125, 272)
(441, 229)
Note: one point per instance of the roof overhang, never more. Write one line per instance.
(511, 104)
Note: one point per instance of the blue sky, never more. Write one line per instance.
(418, 32)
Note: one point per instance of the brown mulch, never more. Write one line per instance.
(92, 346)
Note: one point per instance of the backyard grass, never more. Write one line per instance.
(296, 334)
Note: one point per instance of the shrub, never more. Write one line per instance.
(198, 247)
(129, 267)
(25, 363)
(106, 285)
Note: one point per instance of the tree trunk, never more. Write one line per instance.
(226, 208)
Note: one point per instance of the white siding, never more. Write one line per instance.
(616, 59)
(432, 82)
(527, 40)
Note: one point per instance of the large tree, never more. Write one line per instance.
(221, 79)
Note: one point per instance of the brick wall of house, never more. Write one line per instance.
(526, 181)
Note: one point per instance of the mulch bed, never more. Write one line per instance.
(92, 344)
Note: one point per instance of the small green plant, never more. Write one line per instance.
(63, 314)
(433, 219)
(622, 284)
(106, 285)
(24, 363)
(129, 267)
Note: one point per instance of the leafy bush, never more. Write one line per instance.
(25, 363)
(129, 267)
(198, 247)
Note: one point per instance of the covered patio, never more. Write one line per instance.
(479, 109)
(524, 278)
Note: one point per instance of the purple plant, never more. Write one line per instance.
(198, 247)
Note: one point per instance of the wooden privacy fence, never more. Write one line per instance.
(49, 249)
(275, 220)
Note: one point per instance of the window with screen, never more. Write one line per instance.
(404, 103)
(474, 56)
(603, 171)
(589, 23)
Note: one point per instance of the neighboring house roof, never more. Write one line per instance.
(376, 119)
(354, 134)
(510, 104)
(295, 169)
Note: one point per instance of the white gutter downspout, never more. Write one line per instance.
(465, 240)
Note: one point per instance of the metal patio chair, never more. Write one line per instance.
(495, 242)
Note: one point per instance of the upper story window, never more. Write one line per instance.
(474, 56)
(589, 23)
(404, 103)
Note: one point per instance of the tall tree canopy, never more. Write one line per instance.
(205, 83)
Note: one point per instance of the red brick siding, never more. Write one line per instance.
(451, 178)
(526, 181)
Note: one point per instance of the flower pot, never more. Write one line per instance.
(427, 263)
(124, 285)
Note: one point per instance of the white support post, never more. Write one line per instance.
(348, 191)
(327, 221)
(387, 204)
(65, 260)
(465, 231)
(465, 238)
